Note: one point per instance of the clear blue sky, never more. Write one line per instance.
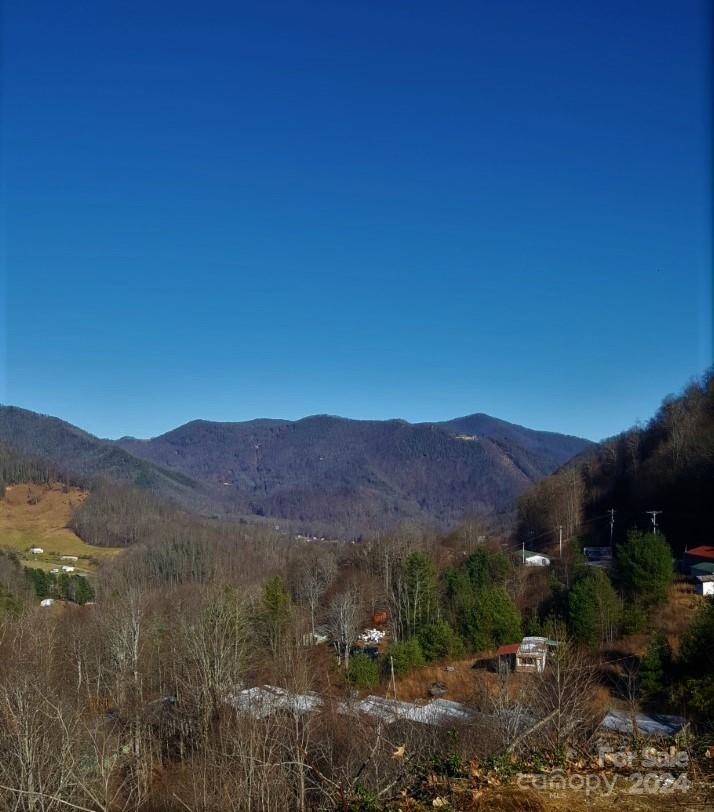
(373, 209)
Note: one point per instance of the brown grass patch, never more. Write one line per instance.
(38, 516)
(675, 616)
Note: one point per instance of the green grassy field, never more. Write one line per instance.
(37, 516)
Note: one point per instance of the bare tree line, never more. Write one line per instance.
(128, 704)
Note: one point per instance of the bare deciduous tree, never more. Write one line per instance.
(343, 622)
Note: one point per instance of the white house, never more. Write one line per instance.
(704, 584)
(54, 570)
(36, 550)
(67, 568)
(531, 559)
(47, 602)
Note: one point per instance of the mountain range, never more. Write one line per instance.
(334, 473)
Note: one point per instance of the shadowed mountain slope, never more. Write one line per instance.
(537, 453)
(344, 476)
(77, 452)
(360, 473)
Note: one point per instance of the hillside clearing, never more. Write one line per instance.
(38, 516)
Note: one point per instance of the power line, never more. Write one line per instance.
(552, 532)
(654, 514)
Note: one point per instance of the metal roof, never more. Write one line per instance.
(705, 568)
(703, 551)
(261, 701)
(436, 712)
(655, 724)
(533, 645)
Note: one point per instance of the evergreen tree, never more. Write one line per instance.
(460, 600)
(655, 669)
(275, 611)
(83, 592)
(481, 611)
(406, 655)
(42, 582)
(363, 671)
(486, 567)
(593, 607)
(439, 640)
(497, 620)
(644, 567)
(697, 662)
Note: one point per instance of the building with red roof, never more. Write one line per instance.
(704, 554)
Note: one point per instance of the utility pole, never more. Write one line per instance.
(524, 552)
(654, 514)
(612, 526)
(560, 539)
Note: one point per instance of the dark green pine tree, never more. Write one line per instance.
(655, 670)
(644, 567)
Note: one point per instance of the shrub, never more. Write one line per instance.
(363, 671)
(438, 640)
(406, 656)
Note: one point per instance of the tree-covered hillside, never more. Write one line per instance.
(321, 474)
(666, 465)
(47, 442)
(357, 474)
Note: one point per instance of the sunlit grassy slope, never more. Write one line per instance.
(37, 516)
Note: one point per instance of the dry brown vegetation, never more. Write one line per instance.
(39, 515)
(129, 705)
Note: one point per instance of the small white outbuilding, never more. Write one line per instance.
(67, 568)
(531, 559)
(47, 602)
(704, 584)
(36, 550)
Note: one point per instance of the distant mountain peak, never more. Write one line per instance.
(320, 471)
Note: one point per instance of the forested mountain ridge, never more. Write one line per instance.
(666, 465)
(349, 476)
(537, 453)
(72, 452)
(360, 473)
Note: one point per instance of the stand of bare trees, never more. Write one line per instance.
(131, 704)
